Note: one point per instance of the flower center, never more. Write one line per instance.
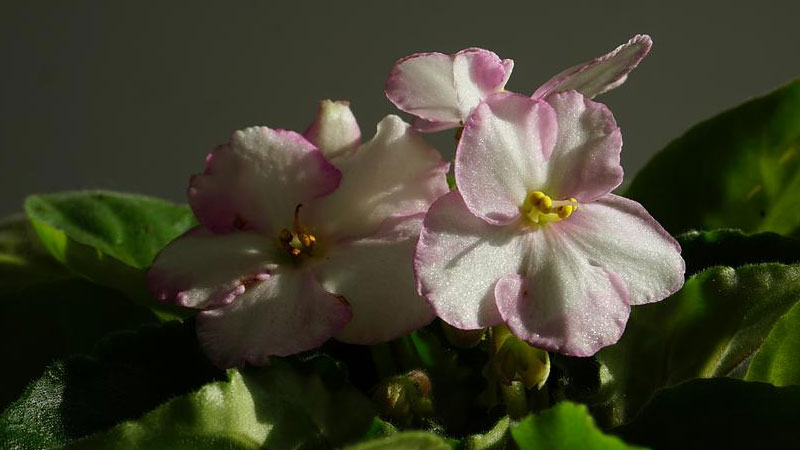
(298, 241)
(540, 209)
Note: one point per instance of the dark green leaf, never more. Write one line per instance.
(565, 426)
(127, 375)
(704, 249)
(778, 359)
(276, 407)
(49, 321)
(739, 169)
(718, 413)
(708, 329)
(411, 440)
(23, 260)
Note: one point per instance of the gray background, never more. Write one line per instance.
(132, 95)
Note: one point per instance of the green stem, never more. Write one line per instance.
(515, 398)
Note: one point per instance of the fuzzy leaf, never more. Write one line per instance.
(778, 359)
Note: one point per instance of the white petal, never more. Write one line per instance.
(620, 235)
(459, 259)
(395, 174)
(375, 276)
(502, 155)
(335, 131)
(205, 270)
(286, 314)
(422, 84)
(562, 302)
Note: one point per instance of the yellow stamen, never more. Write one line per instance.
(298, 241)
(540, 209)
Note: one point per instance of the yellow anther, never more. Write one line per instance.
(540, 209)
(564, 211)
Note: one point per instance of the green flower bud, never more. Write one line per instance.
(515, 360)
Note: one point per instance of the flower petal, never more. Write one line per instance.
(501, 155)
(422, 84)
(477, 74)
(459, 258)
(286, 314)
(620, 235)
(395, 174)
(563, 303)
(257, 179)
(585, 161)
(201, 269)
(375, 276)
(443, 89)
(335, 131)
(601, 74)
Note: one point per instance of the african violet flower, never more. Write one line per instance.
(304, 238)
(534, 238)
(442, 90)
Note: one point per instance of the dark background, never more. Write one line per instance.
(132, 95)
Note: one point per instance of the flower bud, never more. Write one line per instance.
(404, 398)
(515, 360)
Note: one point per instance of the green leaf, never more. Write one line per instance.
(108, 237)
(703, 249)
(778, 359)
(276, 407)
(565, 426)
(127, 375)
(53, 320)
(129, 228)
(410, 440)
(23, 260)
(718, 413)
(708, 329)
(739, 169)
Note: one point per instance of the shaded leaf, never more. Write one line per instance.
(275, 407)
(718, 413)
(778, 359)
(23, 260)
(127, 375)
(565, 426)
(48, 321)
(708, 329)
(740, 169)
(733, 248)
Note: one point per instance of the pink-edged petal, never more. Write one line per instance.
(286, 314)
(585, 161)
(396, 173)
(422, 84)
(257, 179)
(201, 269)
(458, 260)
(600, 74)
(620, 235)
(502, 153)
(477, 74)
(335, 131)
(563, 302)
(375, 276)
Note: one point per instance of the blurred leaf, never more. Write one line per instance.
(49, 321)
(704, 249)
(127, 375)
(23, 260)
(494, 439)
(778, 359)
(740, 169)
(708, 329)
(411, 440)
(718, 413)
(109, 237)
(565, 426)
(276, 407)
